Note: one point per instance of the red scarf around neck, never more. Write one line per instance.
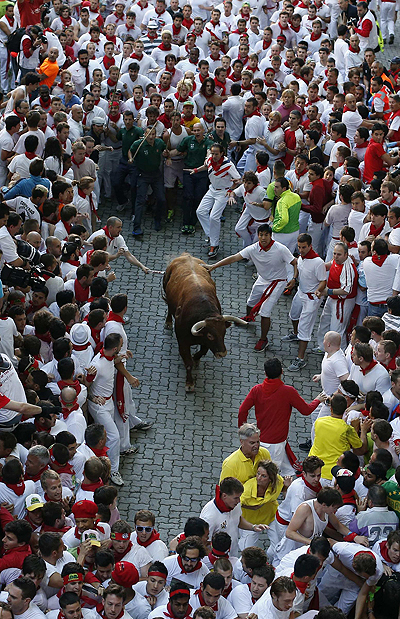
(369, 367)
(223, 508)
(316, 488)
(268, 246)
(379, 260)
(310, 254)
(18, 488)
(153, 538)
(301, 586)
(91, 487)
(376, 231)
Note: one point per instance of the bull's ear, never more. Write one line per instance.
(227, 324)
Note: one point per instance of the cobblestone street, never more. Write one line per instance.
(179, 459)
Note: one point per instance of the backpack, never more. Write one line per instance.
(14, 40)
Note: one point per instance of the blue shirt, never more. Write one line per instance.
(25, 186)
(74, 101)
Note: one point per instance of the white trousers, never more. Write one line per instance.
(277, 451)
(276, 532)
(290, 240)
(209, 213)
(338, 589)
(105, 415)
(108, 164)
(270, 302)
(316, 231)
(5, 86)
(335, 318)
(304, 310)
(388, 10)
(242, 230)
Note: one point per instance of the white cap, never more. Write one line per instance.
(80, 334)
(92, 536)
(33, 501)
(152, 23)
(98, 120)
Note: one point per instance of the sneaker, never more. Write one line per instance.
(130, 452)
(261, 345)
(170, 216)
(117, 479)
(120, 208)
(143, 425)
(391, 39)
(290, 337)
(191, 230)
(317, 350)
(305, 446)
(213, 252)
(157, 225)
(185, 229)
(206, 242)
(137, 232)
(298, 364)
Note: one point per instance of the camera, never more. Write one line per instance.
(17, 276)
(29, 253)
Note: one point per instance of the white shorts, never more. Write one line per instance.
(256, 294)
(304, 310)
(277, 451)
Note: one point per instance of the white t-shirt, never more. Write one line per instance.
(311, 273)
(193, 579)
(224, 608)
(380, 279)
(346, 551)
(264, 608)
(331, 369)
(270, 264)
(7, 246)
(377, 379)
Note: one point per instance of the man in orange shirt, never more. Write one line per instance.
(49, 68)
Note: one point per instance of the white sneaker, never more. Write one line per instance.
(117, 479)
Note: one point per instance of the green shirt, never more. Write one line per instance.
(224, 142)
(195, 151)
(149, 158)
(286, 216)
(393, 496)
(128, 137)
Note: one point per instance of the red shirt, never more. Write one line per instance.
(273, 402)
(320, 195)
(15, 557)
(373, 160)
(29, 11)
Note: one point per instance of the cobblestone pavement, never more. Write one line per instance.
(179, 459)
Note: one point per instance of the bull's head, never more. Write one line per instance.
(212, 332)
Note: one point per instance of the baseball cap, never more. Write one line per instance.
(344, 478)
(92, 536)
(98, 120)
(188, 103)
(32, 502)
(395, 60)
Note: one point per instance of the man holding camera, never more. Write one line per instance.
(8, 244)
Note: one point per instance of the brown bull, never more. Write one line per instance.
(192, 300)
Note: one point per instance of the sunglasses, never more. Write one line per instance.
(147, 529)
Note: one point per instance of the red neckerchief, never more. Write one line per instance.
(188, 23)
(92, 486)
(111, 83)
(31, 308)
(67, 410)
(169, 612)
(363, 145)
(384, 552)
(186, 119)
(120, 555)
(216, 554)
(67, 21)
(369, 367)
(252, 599)
(268, 246)
(22, 118)
(254, 69)
(315, 37)
(108, 62)
(70, 383)
(76, 163)
(261, 168)
(301, 174)
(376, 231)
(198, 565)
(74, 263)
(220, 505)
(295, 28)
(38, 475)
(114, 117)
(100, 611)
(227, 591)
(162, 89)
(199, 593)
(355, 51)
(136, 57)
(164, 48)
(379, 260)
(138, 104)
(274, 129)
(114, 317)
(96, 338)
(18, 488)
(245, 60)
(266, 44)
(45, 106)
(220, 85)
(389, 203)
(81, 294)
(301, 586)
(60, 468)
(350, 498)
(344, 141)
(44, 337)
(255, 113)
(30, 156)
(107, 233)
(84, 196)
(99, 452)
(102, 354)
(316, 488)
(112, 39)
(176, 30)
(153, 538)
(10, 20)
(216, 165)
(310, 254)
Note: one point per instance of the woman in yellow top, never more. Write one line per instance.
(259, 499)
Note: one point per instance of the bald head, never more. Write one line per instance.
(77, 112)
(68, 395)
(333, 339)
(34, 239)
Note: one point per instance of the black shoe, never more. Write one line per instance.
(391, 39)
(305, 446)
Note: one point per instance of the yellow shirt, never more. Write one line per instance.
(332, 437)
(237, 465)
(189, 123)
(269, 504)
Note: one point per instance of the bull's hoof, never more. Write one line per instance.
(168, 326)
(189, 388)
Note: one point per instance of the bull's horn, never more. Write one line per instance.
(235, 319)
(197, 327)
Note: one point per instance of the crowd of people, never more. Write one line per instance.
(279, 108)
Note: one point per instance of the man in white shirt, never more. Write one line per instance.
(366, 372)
(210, 594)
(159, 14)
(20, 595)
(12, 126)
(75, 123)
(82, 71)
(8, 245)
(277, 601)
(351, 118)
(380, 272)
(243, 596)
(232, 112)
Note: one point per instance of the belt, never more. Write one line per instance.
(280, 519)
(378, 303)
(98, 396)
